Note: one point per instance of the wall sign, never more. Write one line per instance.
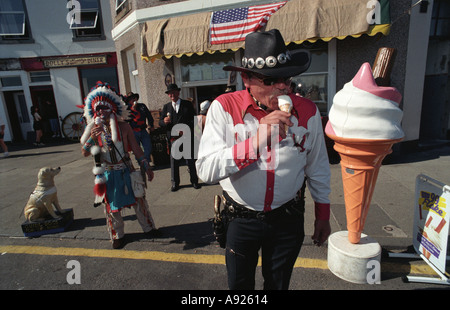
(61, 62)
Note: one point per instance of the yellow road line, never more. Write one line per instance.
(309, 263)
(123, 254)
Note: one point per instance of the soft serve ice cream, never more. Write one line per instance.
(285, 104)
(364, 110)
(364, 123)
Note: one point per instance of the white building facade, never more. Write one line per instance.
(55, 51)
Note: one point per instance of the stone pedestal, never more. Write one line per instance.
(353, 262)
(49, 225)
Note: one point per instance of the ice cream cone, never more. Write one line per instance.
(360, 162)
(286, 108)
(285, 104)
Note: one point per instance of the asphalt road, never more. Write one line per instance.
(185, 259)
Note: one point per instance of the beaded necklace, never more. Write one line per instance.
(107, 139)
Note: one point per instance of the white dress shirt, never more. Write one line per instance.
(176, 105)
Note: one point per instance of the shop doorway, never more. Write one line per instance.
(43, 98)
(202, 93)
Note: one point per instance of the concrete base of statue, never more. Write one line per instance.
(356, 263)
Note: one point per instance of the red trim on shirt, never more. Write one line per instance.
(243, 154)
(270, 183)
(307, 108)
(240, 103)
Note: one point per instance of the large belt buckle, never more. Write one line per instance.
(229, 205)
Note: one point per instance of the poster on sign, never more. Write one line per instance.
(431, 220)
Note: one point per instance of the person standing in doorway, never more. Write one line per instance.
(52, 116)
(37, 125)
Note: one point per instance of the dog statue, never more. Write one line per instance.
(43, 198)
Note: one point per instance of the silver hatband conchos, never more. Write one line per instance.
(270, 61)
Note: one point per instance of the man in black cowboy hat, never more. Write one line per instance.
(262, 168)
(141, 121)
(179, 111)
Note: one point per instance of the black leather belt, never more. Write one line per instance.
(233, 209)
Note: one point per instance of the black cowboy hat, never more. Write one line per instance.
(266, 54)
(171, 87)
(132, 95)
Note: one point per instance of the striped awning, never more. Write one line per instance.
(298, 21)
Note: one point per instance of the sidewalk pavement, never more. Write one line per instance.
(183, 216)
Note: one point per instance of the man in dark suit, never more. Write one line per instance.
(179, 111)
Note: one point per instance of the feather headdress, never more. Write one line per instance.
(103, 94)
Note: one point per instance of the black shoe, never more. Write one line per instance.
(196, 185)
(118, 243)
(174, 188)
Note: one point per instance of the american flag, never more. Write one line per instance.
(234, 25)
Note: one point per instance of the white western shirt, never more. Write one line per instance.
(264, 180)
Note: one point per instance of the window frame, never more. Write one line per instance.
(24, 38)
(77, 32)
(39, 77)
(73, 25)
(438, 18)
(120, 7)
(23, 23)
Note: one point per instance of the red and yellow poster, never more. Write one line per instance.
(431, 220)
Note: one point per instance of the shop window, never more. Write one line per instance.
(90, 76)
(13, 21)
(313, 84)
(202, 77)
(440, 19)
(40, 76)
(11, 81)
(86, 24)
(206, 67)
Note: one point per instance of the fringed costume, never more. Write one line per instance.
(113, 185)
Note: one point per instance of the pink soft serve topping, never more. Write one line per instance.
(364, 80)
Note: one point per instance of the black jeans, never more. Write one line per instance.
(280, 241)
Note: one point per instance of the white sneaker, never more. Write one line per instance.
(6, 154)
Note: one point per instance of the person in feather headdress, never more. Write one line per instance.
(109, 138)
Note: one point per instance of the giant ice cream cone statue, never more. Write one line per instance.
(364, 123)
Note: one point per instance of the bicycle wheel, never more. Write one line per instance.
(73, 126)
